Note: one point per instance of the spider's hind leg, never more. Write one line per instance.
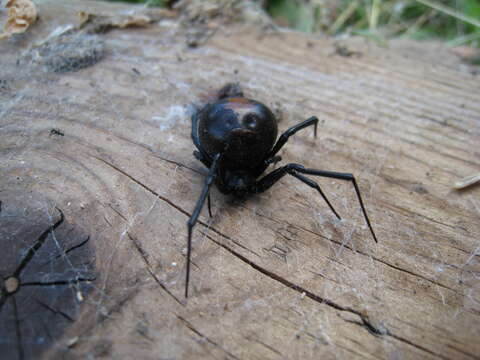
(340, 176)
(296, 170)
(270, 179)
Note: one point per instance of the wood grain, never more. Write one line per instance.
(275, 276)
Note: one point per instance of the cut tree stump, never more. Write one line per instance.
(98, 181)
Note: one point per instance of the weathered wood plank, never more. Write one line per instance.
(274, 276)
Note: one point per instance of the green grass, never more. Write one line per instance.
(457, 22)
(160, 3)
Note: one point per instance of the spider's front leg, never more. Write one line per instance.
(208, 164)
(209, 180)
(205, 161)
(201, 153)
(282, 140)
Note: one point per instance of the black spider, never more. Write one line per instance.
(235, 138)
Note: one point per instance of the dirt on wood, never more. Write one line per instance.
(98, 181)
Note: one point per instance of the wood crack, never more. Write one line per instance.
(38, 244)
(171, 203)
(411, 343)
(64, 253)
(271, 348)
(18, 331)
(143, 255)
(461, 351)
(365, 322)
(190, 326)
(55, 311)
(358, 252)
(58, 282)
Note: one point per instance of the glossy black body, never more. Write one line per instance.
(244, 132)
(243, 129)
(236, 139)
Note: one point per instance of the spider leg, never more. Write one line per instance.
(209, 180)
(291, 131)
(272, 178)
(202, 159)
(341, 176)
(267, 181)
(208, 164)
(196, 140)
(273, 160)
(209, 202)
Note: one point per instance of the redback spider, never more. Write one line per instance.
(236, 139)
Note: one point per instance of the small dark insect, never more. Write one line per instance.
(236, 139)
(56, 132)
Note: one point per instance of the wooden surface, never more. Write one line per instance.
(275, 276)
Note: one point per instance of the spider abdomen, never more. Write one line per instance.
(243, 130)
